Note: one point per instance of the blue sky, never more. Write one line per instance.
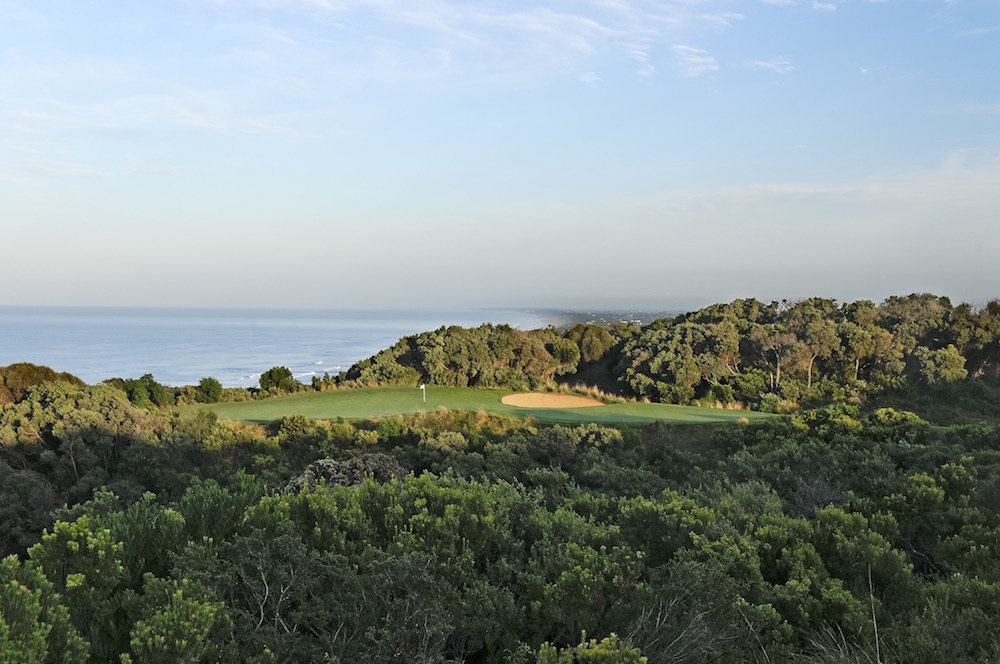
(601, 154)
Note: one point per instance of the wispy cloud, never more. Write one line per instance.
(549, 30)
(590, 78)
(640, 53)
(777, 65)
(824, 6)
(553, 37)
(723, 19)
(693, 61)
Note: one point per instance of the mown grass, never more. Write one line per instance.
(364, 403)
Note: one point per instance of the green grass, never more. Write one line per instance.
(364, 403)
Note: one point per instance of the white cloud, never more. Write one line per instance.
(723, 19)
(590, 78)
(693, 61)
(777, 65)
(824, 6)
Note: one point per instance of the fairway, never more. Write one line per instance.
(364, 403)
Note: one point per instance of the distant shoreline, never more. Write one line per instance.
(569, 318)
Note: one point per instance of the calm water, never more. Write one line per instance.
(182, 346)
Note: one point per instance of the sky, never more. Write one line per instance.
(598, 154)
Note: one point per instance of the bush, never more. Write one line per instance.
(209, 390)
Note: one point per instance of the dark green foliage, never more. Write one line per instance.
(175, 623)
(801, 527)
(566, 354)
(279, 379)
(57, 445)
(209, 390)
(26, 501)
(486, 356)
(593, 340)
(212, 511)
(145, 392)
(148, 533)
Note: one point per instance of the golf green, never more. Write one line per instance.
(364, 403)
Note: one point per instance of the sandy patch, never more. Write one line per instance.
(548, 400)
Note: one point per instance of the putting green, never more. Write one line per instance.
(364, 403)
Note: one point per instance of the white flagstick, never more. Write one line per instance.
(423, 388)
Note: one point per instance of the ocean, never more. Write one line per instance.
(182, 346)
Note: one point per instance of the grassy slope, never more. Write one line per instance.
(364, 403)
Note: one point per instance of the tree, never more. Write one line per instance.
(159, 394)
(177, 619)
(278, 379)
(820, 338)
(860, 312)
(857, 343)
(914, 318)
(594, 341)
(725, 345)
(780, 342)
(812, 322)
(941, 366)
(81, 561)
(566, 354)
(34, 625)
(144, 392)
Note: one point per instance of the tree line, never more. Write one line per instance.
(774, 356)
(917, 352)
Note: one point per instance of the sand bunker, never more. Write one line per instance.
(548, 400)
